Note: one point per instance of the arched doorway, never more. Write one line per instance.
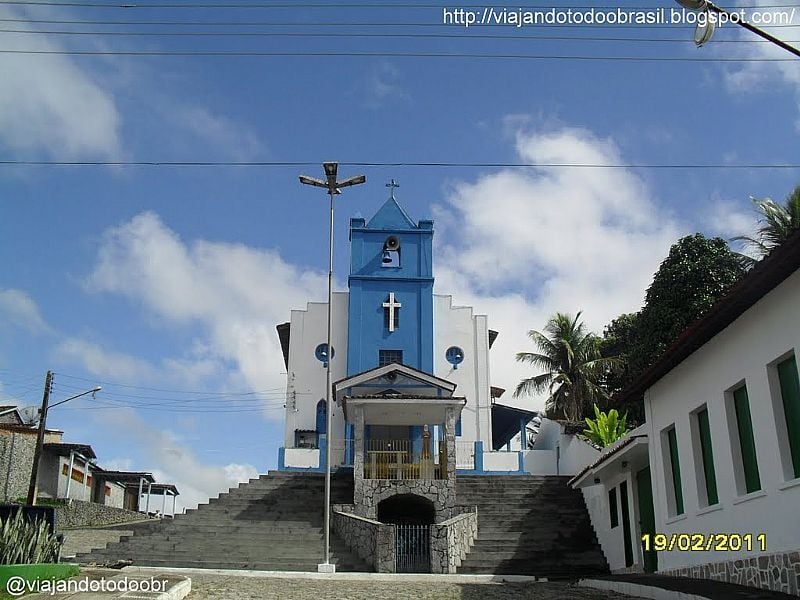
(406, 509)
(412, 517)
(322, 417)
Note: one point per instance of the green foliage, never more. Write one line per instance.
(618, 339)
(697, 272)
(775, 224)
(571, 364)
(605, 428)
(26, 542)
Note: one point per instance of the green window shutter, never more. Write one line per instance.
(612, 507)
(708, 456)
(746, 440)
(676, 470)
(790, 392)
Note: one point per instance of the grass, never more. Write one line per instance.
(35, 572)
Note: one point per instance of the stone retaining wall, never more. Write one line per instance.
(371, 492)
(373, 541)
(777, 572)
(79, 513)
(452, 540)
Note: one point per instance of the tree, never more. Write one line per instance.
(697, 272)
(618, 340)
(572, 364)
(776, 223)
(605, 428)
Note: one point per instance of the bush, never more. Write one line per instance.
(27, 542)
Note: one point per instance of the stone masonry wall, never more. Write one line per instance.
(452, 540)
(371, 492)
(90, 514)
(16, 459)
(373, 541)
(777, 572)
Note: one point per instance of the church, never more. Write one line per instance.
(415, 353)
(413, 411)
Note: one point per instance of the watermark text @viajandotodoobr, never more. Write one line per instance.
(532, 17)
(19, 586)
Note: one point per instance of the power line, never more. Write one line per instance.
(169, 391)
(335, 24)
(282, 34)
(265, 54)
(403, 164)
(329, 5)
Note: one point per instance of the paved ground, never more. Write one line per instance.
(221, 587)
(84, 540)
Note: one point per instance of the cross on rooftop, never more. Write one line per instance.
(391, 185)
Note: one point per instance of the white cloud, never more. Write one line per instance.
(725, 219)
(171, 461)
(18, 308)
(381, 85)
(50, 105)
(222, 134)
(760, 76)
(521, 245)
(105, 363)
(234, 293)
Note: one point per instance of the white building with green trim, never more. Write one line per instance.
(713, 476)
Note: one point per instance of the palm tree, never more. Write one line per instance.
(572, 364)
(776, 223)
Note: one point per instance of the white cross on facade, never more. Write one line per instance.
(391, 305)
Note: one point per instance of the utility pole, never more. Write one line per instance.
(48, 384)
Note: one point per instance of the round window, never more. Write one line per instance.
(454, 355)
(322, 353)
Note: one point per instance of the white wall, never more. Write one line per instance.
(540, 462)
(574, 454)
(306, 376)
(740, 353)
(611, 539)
(457, 326)
(301, 458)
(76, 488)
(500, 461)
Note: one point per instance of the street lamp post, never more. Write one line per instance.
(333, 187)
(704, 34)
(37, 454)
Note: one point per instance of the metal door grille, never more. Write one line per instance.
(412, 548)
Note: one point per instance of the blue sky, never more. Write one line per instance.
(166, 283)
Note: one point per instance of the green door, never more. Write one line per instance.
(647, 517)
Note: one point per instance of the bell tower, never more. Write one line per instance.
(390, 312)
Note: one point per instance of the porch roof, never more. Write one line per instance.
(394, 379)
(628, 454)
(506, 423)
(64, 449)
(404, 410)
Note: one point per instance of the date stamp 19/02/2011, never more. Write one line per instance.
(708, 542)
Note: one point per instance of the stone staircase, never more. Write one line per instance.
(529, 525)
(272, 523)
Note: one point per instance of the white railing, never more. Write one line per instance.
(465, 455)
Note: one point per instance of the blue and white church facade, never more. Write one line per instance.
(391, 318)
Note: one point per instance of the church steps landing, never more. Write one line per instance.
(271, 523)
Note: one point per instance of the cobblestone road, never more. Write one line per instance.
(219, 587)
